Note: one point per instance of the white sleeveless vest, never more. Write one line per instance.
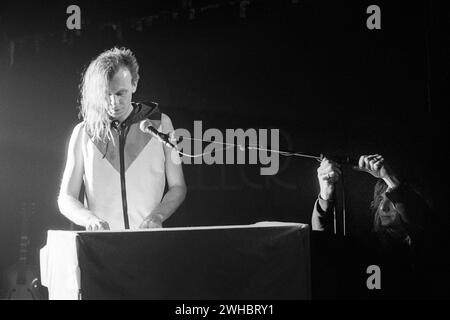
(143, 173)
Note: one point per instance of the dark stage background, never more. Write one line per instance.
(310, 68)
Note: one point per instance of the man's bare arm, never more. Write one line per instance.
(68, 202)
(177, 186)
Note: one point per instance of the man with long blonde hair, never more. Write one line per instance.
(124, 170)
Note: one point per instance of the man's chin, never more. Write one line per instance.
(115, 115)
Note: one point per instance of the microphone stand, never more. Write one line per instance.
(171, 141)
(287, 153)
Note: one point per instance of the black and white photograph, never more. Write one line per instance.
(224, 158)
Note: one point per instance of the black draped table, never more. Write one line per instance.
(265, 260)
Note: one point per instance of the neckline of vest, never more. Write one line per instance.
(128, 121)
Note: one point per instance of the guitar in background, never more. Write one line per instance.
(21, 280)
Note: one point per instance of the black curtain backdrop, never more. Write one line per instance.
(309, 68)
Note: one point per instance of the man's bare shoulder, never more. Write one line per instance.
(78, 132)
(79, 126)
(165, 117)
(166, 123)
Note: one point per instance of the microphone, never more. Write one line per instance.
(147, 127)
